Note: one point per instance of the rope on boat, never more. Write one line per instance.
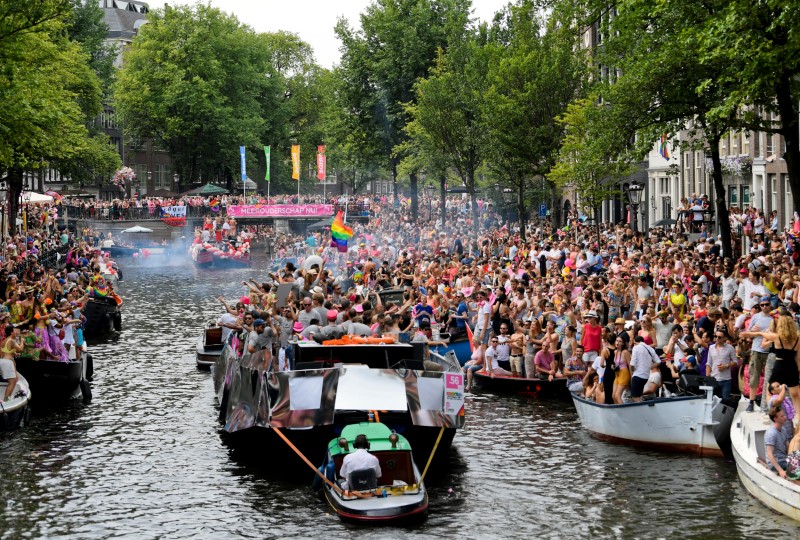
(430, 458)
(305, 459)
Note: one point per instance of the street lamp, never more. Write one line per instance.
(149, 180)
(176, 182)
(635, 191)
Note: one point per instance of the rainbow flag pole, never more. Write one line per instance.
(340, 233)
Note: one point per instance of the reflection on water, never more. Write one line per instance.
(145, 458)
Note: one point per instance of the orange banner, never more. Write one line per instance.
(295, 162)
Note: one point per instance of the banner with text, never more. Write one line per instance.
(296, 162)
(321, 162)
(243, 160)
(280, 210)
(173, 215)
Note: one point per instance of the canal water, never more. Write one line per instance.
(145, 459)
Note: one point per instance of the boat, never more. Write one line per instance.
(55, 380)
(398, 495)
(103, 316)
(679, 423)
(209, 346)
(747, 441)
(521, 386)
(331, 386)
(459, 345)
(224, 255)
(201, 257)
(118, 250)
(16, 411)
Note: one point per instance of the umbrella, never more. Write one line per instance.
(208, 189)
(31, 197)
(324, 224)
(138, 229)
(668, 222)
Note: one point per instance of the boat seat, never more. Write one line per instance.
(692, 383)
(363, 479)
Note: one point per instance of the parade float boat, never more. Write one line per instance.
(16, 411)
(520, 386)
(223, 255)
(747, 441)
(53, 380)
(209, 346)
(332, 386)
(691, 424)
(398, 495)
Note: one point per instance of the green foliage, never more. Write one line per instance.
(85, 25)
(201, 84)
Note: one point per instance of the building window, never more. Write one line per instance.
(788, 214)
(745, 195)
(733, 195)
(757, 146)
(734, 143)
(770, 146)
(772, 185)
(161, 177)
(664, 185)
(745, 142)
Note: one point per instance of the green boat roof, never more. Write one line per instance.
(377, 435)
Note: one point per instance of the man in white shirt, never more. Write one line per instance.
(729, 288)
(359, 460)
(750, 291)
(642, 359)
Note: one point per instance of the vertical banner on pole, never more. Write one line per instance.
(321, 162)
(244, 169)
(296, 162)
(266, 160)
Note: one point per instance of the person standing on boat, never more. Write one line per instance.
(759, 323)
(359, 460)
(260, 339)
(776, 441)
(591, 338)
(9, 348)
(643, 357)
(721, 358)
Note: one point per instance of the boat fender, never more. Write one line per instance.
(118, 321)
(86, 390)
(89, 367)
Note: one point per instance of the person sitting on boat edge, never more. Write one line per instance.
(423, 335)
(653, 381)
(545, 364)
(776, 441)
(475, 363)
(8, 370)
(575, 370)
(358, 460)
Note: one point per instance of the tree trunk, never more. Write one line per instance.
(394, 183)
(555, 202)
(14, 180)
(719, 191)
(470, 183)
(442, 198)
(789, 130)
(597, 213)
(412, 180)
(523, 218)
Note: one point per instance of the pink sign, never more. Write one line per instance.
(280, 210)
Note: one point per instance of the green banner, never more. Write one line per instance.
(266, 155)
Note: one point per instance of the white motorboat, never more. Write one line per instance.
(16, 411)
(689, 424)
(747, 442)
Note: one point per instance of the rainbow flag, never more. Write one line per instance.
(340, 233)
(662, 146)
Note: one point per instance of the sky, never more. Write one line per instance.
(312, 20)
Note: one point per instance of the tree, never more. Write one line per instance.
(46, 87)
(585, 161)
(534, 74)
(446, 118)
(395, 47)
(759, 44)
(198, 82)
